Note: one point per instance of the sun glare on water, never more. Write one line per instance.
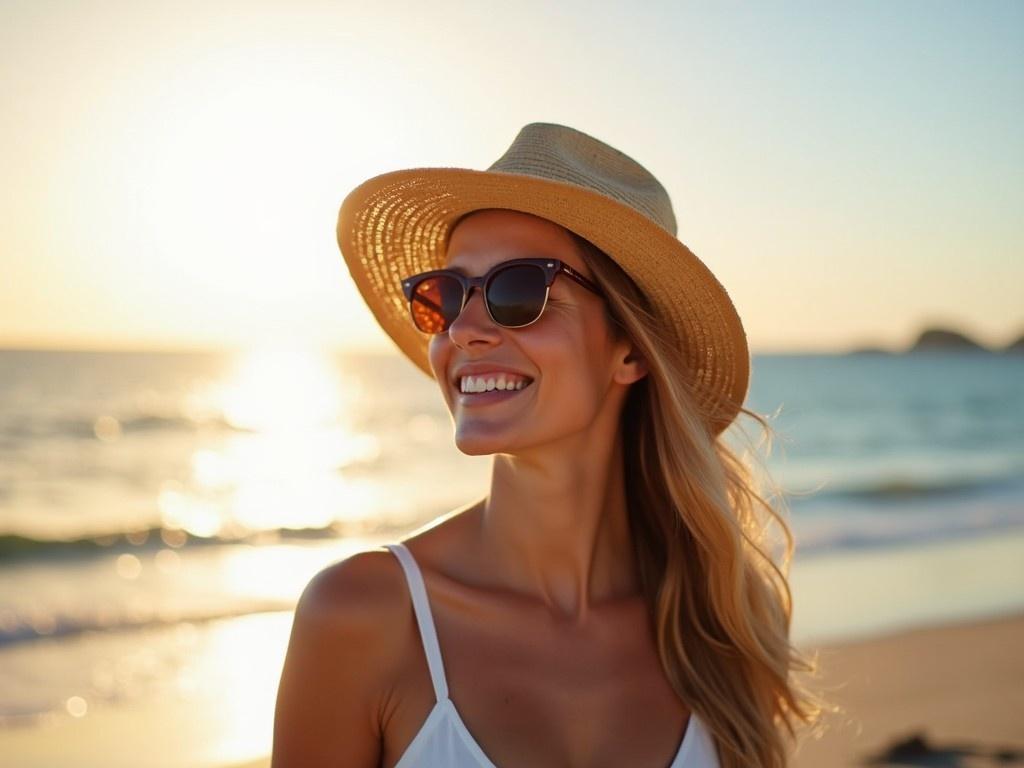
(289, 412)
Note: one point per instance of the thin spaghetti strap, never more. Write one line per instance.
(421, 607)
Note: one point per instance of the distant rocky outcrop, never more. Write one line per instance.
(940, 340)
(945, 340)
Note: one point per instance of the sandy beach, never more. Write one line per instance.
(959, 688)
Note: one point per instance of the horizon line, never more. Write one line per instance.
(342, 349)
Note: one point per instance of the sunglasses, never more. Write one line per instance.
(515, 293)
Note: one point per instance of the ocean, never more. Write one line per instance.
(161, 512)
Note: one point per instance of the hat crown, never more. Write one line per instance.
(563, 154)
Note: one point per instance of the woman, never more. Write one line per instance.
(611, 601)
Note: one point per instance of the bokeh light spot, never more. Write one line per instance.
(128, 566)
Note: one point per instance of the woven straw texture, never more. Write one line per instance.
(397, 224)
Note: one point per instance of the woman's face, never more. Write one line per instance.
(575, 364)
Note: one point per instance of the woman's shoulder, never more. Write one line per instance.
(367, 592)
(349, 638)
(363, 594)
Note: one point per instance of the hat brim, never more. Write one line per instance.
(397, 224)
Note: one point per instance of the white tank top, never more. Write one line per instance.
(444, 740)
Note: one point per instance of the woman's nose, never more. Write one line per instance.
(473, 325)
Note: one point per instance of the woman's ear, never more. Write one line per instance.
(632, 367)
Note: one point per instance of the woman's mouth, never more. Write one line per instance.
(477, 390)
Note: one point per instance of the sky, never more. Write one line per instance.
(851, 172)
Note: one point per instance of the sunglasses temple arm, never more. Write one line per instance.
(581, 280)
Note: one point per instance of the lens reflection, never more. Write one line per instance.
(436, 302)
(516, 294)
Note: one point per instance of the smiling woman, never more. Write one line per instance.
(613, 600)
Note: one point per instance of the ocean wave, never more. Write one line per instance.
(17, 547)
(41, 625)
(885, 489)
(107, 426)
(825, 534)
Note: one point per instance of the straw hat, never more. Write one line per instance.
(397, 224)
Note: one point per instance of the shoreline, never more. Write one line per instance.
(858, 595)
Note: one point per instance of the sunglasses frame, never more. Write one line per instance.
(551, 267)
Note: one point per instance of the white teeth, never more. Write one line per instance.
(500, 382)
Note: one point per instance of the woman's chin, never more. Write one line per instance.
(480, 447)
(474, 441)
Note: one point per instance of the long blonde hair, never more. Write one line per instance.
(720, 604)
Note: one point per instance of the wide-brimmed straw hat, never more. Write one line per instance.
(397, 224)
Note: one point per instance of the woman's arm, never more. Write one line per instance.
(337, 667)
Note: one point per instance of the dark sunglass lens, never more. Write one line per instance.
(516, 294)
(436, 302)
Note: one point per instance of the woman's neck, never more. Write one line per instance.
(556, 527)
